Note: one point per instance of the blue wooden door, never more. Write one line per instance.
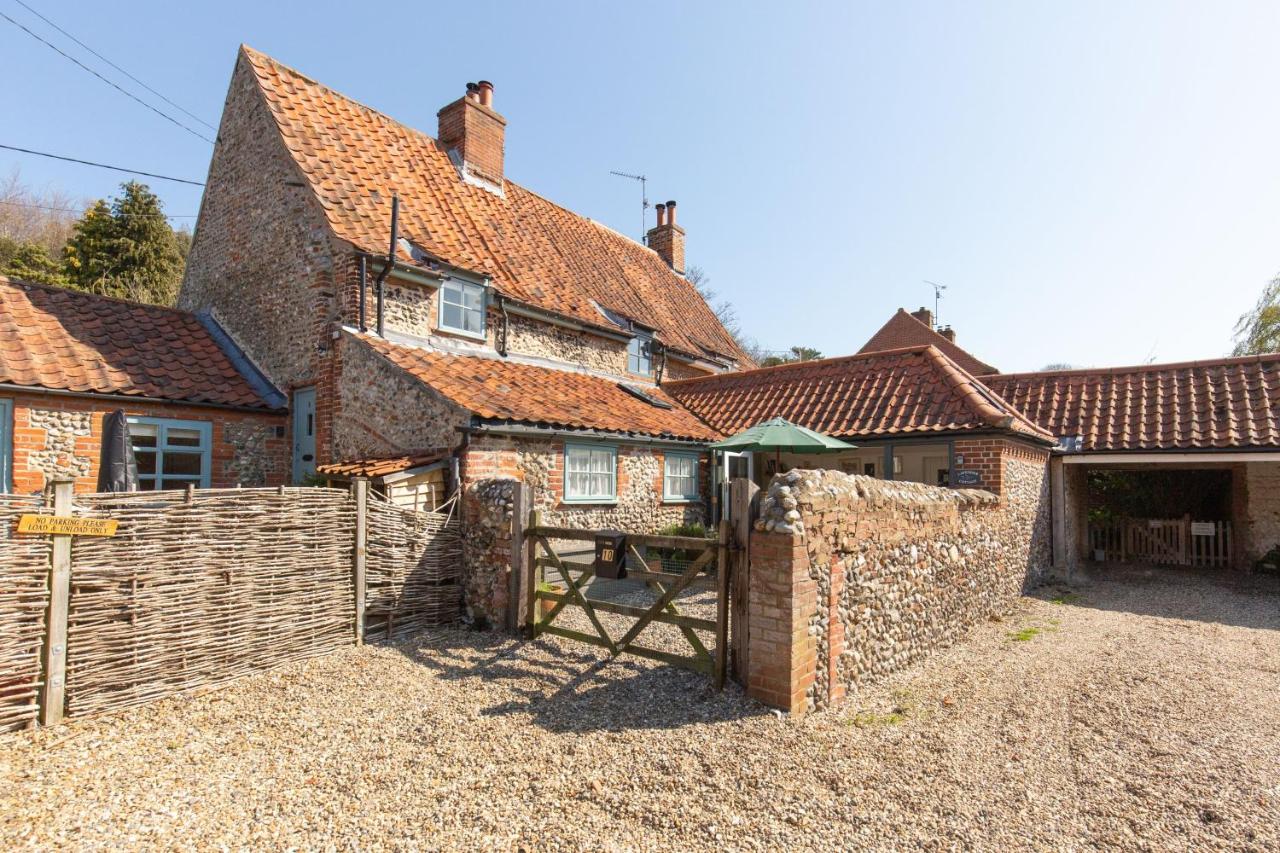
(304, 433)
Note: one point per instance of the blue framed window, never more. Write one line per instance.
(6, 445)
(590, 473)
(462, 307)
(640, 354)
(680, 477)
(171, 453)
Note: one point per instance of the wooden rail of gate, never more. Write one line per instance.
(1166, 541)
(543, 556)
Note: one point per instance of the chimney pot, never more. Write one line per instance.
(662, 213)
(924, 315)
(671, 213)
(486, 93)
(948, 333)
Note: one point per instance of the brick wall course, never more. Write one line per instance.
(58, 436)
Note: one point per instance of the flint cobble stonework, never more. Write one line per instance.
(1262, 509)
(57, 437)
(858, 577)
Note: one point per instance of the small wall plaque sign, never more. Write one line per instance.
(968, 478)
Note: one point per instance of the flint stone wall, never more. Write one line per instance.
(890, 571)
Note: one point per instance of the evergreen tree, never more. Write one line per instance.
(126, 249)
(29, 261)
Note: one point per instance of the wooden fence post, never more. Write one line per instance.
(521, 499)
(532, 604)
(743, 501)
(361, 488)
(722, 602)
(53, 695)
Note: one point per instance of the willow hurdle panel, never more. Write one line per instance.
(24, 598)
(200, 588)
(413, 569)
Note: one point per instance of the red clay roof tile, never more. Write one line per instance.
(1228, 403)
(535, 251)
(894, 392)
(903, 330)
(51, 337)
(495, 389)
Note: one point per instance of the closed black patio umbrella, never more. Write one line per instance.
(117, 468)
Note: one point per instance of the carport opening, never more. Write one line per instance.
(1161, 516)
(1202, 495)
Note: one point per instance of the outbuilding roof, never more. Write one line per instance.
(904, 330)
(500, 390)
(1225, 403)
(68, 340)
(354, 159)
(916, 390)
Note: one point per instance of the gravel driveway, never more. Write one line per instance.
(1140, 712)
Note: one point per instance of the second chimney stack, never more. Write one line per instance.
(666, 238)
(475, 134)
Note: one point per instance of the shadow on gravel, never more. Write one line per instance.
(1204, 595)
(569, 690)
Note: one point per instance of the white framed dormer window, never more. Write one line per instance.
(640, 354)
(680, 477)
(171, 453)
(462, 305)
(590, 473)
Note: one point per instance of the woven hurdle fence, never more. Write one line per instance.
(24, 597)
(200, 587)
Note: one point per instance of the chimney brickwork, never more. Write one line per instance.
(667, 238)
(924, 315)
(476, 132)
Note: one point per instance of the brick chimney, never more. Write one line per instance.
(924, 315)
(667, 238)
(473, 134)
(948, 333)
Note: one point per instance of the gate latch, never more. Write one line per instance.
(611, 554)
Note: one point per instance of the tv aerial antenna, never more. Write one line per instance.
(644, 200)
(937, 297)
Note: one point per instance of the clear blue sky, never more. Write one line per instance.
(1096, 183)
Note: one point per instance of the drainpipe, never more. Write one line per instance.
(391, 260)
(506, 324)
(364, 285)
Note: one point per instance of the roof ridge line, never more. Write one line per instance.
(963, 383)
(1224, 361)
(57, 288)
(795, 365)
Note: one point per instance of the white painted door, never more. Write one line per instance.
(304, 434)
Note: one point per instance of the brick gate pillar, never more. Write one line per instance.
(782, 599)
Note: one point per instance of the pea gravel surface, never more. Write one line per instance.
(1137, 712)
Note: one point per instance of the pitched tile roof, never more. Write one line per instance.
(1201, 405)
(496, 389)
(903, 330)
(533, 250)
(895, 392)
(67, 340)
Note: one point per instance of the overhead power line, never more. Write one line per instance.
(116, 67)
(110, 83)
(99, 165)
(81, 212)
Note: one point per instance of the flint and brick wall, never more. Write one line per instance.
(492, 464)
(1261, 510)
(263, 258)
(854, 578)
(60, 437)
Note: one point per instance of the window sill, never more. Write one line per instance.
(459, 333)
(681, 500)
(589, 501)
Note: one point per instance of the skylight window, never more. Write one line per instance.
(642, 394)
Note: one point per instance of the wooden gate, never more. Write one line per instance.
(1163, 541)
(702, 564)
